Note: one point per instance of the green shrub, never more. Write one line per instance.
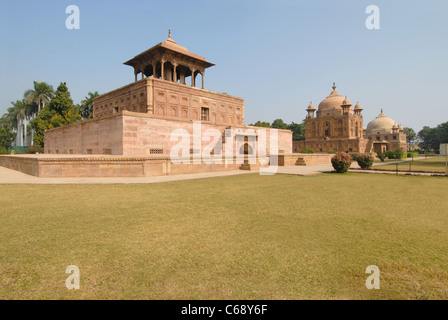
(34, 149)
(381, 156)
(3, 150)
(412, 154)
(365, 161)
(390, 154)
(400, 154)
(354, 156)
(331, 152)
(341, 162)
(307, 150)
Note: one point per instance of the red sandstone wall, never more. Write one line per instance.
(100, 136)
(141, 134)
(171, 101)
(135, 134)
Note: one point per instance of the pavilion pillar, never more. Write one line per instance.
(174, 72)
(154, 69)
(182, 77)
(135, 74)
(203, 73)
(193, 84)
(162, 68)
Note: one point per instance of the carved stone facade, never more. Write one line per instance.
(138, 119)
(336, 127)
(168, 100)
(385, 134)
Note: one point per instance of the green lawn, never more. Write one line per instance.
(433, 164)
(241, 237)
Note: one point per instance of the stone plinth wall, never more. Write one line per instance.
(64, 166)
(305, 159)
(103, 136)
(27, 165)
(136, 134)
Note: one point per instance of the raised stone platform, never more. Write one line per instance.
(304, 159)
(64, 166)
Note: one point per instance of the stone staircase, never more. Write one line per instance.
(300, 162)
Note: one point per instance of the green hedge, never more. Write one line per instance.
(307, 150)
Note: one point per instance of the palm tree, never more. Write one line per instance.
(41, 95)
(18, 117)
(86, 108)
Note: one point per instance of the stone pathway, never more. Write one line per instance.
(9, 176)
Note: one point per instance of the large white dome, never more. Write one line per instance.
(381, 124)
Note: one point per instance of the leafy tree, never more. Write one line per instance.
(6, 138)
(60, 111)
(4, 122)
(298, 130)
(261, 124)
(428, 139)
(86, 108)
(410, 135)
(279, 124)
(442, 132)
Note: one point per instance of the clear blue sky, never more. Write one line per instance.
(277, 55)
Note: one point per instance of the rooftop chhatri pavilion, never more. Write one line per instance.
(169, 61)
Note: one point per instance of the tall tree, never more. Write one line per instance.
(86, 109)
(298, 130)
(6, 139)
(19, 112)
(60, 111)
(279, 124)
(410, 135)
(261, 124)
(40, 95)
(442, 132)
(428, 139)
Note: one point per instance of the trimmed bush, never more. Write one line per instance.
(307, 150)
(354, 156)
(390, 154)
(412, 154)
(381, 156)
(331, 152)
(34, 149)
(3, 150)
(365, 161)
(341, 162)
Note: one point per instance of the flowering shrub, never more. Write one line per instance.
(365, 160)
(341, 162)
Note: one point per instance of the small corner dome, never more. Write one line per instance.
(358, 106)
(346, 102)
(382, 124)
(311, 106)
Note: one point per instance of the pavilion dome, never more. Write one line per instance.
(382, 124)
(171, 44)
(333, 102)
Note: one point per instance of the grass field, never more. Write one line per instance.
(433, 164)
(241, 237)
